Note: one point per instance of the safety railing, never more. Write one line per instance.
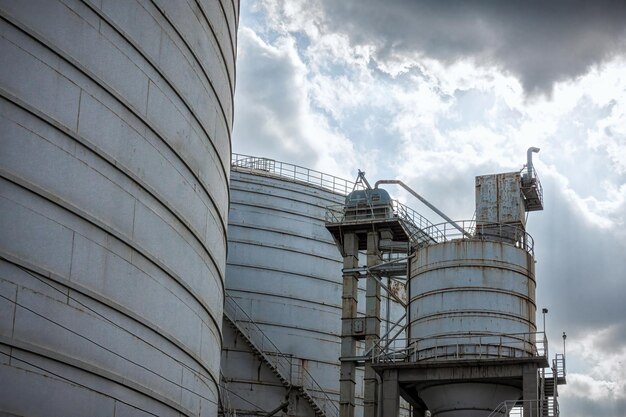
(288, 366)
(463, 346)
(558, 365)
(292, 172)
(473, 230)
(415, 223)
(547, 407)
(531, 185)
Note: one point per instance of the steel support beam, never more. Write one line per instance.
(372, 317)
(347, 378)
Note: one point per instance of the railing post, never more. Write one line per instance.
(291, 369)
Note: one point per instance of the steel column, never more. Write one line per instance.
(372, 335)
(347, 381)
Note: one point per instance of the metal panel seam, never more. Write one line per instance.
(231, 83)
(110, 304)
(281, 248)
(105, 87)
(240, 265)
(138, 248)
(158, 70)
(92, 369)
(456, 264)
(100, 153)
(164, 15)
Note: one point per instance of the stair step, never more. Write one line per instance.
(264, 358)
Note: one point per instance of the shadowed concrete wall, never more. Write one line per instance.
(115, 121)
(284, 270)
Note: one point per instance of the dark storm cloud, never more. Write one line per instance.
(540, 42)
(580, 271)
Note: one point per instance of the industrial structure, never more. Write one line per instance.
(282, 311)
(417, 302)
(472, 348)
(115, 157)
(117, 298)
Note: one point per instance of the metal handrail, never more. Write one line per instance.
(500, 232)
(225, 407)
(463, 346)
(532, 181)
(292, 172)
(558, 365)
(425, 233)
(282, 362)
(515, 408)
(415, 223)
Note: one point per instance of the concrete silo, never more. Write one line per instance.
(115, 150)
(283, 308)
(281, 274)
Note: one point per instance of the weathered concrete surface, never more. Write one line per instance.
(115, 122)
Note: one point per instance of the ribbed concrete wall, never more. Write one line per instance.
(114, 163)
(284, 270)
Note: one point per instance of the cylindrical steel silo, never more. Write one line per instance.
(114, 155)
(474, 299)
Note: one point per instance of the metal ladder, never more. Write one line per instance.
(280, 364)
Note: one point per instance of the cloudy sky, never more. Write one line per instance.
(437, 92)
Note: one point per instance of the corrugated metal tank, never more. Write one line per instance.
(464, 295)
(284, 271)
(115, 151)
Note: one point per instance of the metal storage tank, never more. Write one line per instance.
(465, 294)
(283, 279)
(114, 155)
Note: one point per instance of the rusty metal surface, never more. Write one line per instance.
(499, 199)
(472, 300)
(471, 288)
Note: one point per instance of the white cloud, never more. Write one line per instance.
(599, 383)
(274, 117)
(315, 96)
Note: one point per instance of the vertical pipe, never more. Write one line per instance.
(529, 160)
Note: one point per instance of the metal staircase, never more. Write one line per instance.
(547, 404)
(291, 374)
